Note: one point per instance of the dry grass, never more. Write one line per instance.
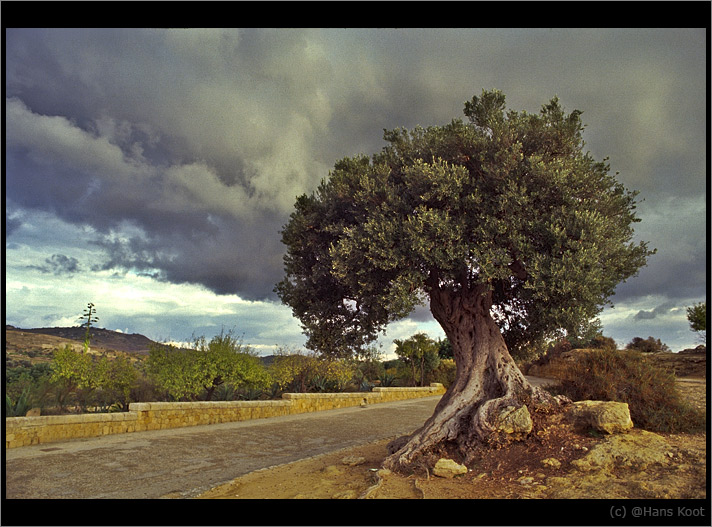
(651, 392)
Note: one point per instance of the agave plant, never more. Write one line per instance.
(20, 407)
(387, 379)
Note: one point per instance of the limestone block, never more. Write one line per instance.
(638, 448)
(514, 420)
(447, 468)
(605, 416)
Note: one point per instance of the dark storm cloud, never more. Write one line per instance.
(660, 310)
(11, 224)
(184, 150)
(58, 264)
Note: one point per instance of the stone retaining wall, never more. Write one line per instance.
(23, 431)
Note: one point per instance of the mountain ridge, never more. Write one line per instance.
(24, 347)
(100, 337)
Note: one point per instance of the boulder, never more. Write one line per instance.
(610, 417)
(637, 449)
(447, 468)
(513, 420)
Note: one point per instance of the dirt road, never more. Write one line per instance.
(183, 462)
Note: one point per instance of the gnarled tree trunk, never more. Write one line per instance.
(487, 379)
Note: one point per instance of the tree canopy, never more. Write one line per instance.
(507, 202)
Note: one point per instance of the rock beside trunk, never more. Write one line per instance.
(447, 468)
(513, 420)
(609, 417)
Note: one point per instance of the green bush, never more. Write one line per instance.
(649, 345)
(300, 372)
(650, 391)
(190, 374)
(445, 372)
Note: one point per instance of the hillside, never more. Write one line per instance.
(24, 347)
(30, 346)
(101, 338)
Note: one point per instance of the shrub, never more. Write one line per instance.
(295, 371)
(603, 343)
(650, 391)
(93, 381)
(445, 372)
(387, 379)
(193, 373)
(649, 345)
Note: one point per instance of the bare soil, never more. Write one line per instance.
(514, 471)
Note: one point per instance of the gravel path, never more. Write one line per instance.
(183, 462)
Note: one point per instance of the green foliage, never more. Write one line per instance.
(295, 371)
(77, 369)
(419, 354)
(445, 372)
(444, 348)
(20, 405)
(190, 373)
(369, 368)
(95, 381)
(697, 316)
(649, 345)
(650, 391)
(509, 200)
(33, 373)
(118, 377)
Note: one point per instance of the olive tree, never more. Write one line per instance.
(502, 224)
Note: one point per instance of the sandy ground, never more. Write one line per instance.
(513, 472)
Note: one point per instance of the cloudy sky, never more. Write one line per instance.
(150, 171)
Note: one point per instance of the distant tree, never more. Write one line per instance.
(505, 225)
(420, 354)
(589, 334)
(697, 316)
(370, 366)
(581, 335)
(649, 345)
(444, 349)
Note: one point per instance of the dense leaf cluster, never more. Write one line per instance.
(508, 199)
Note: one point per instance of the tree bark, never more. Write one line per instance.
(487, 380)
